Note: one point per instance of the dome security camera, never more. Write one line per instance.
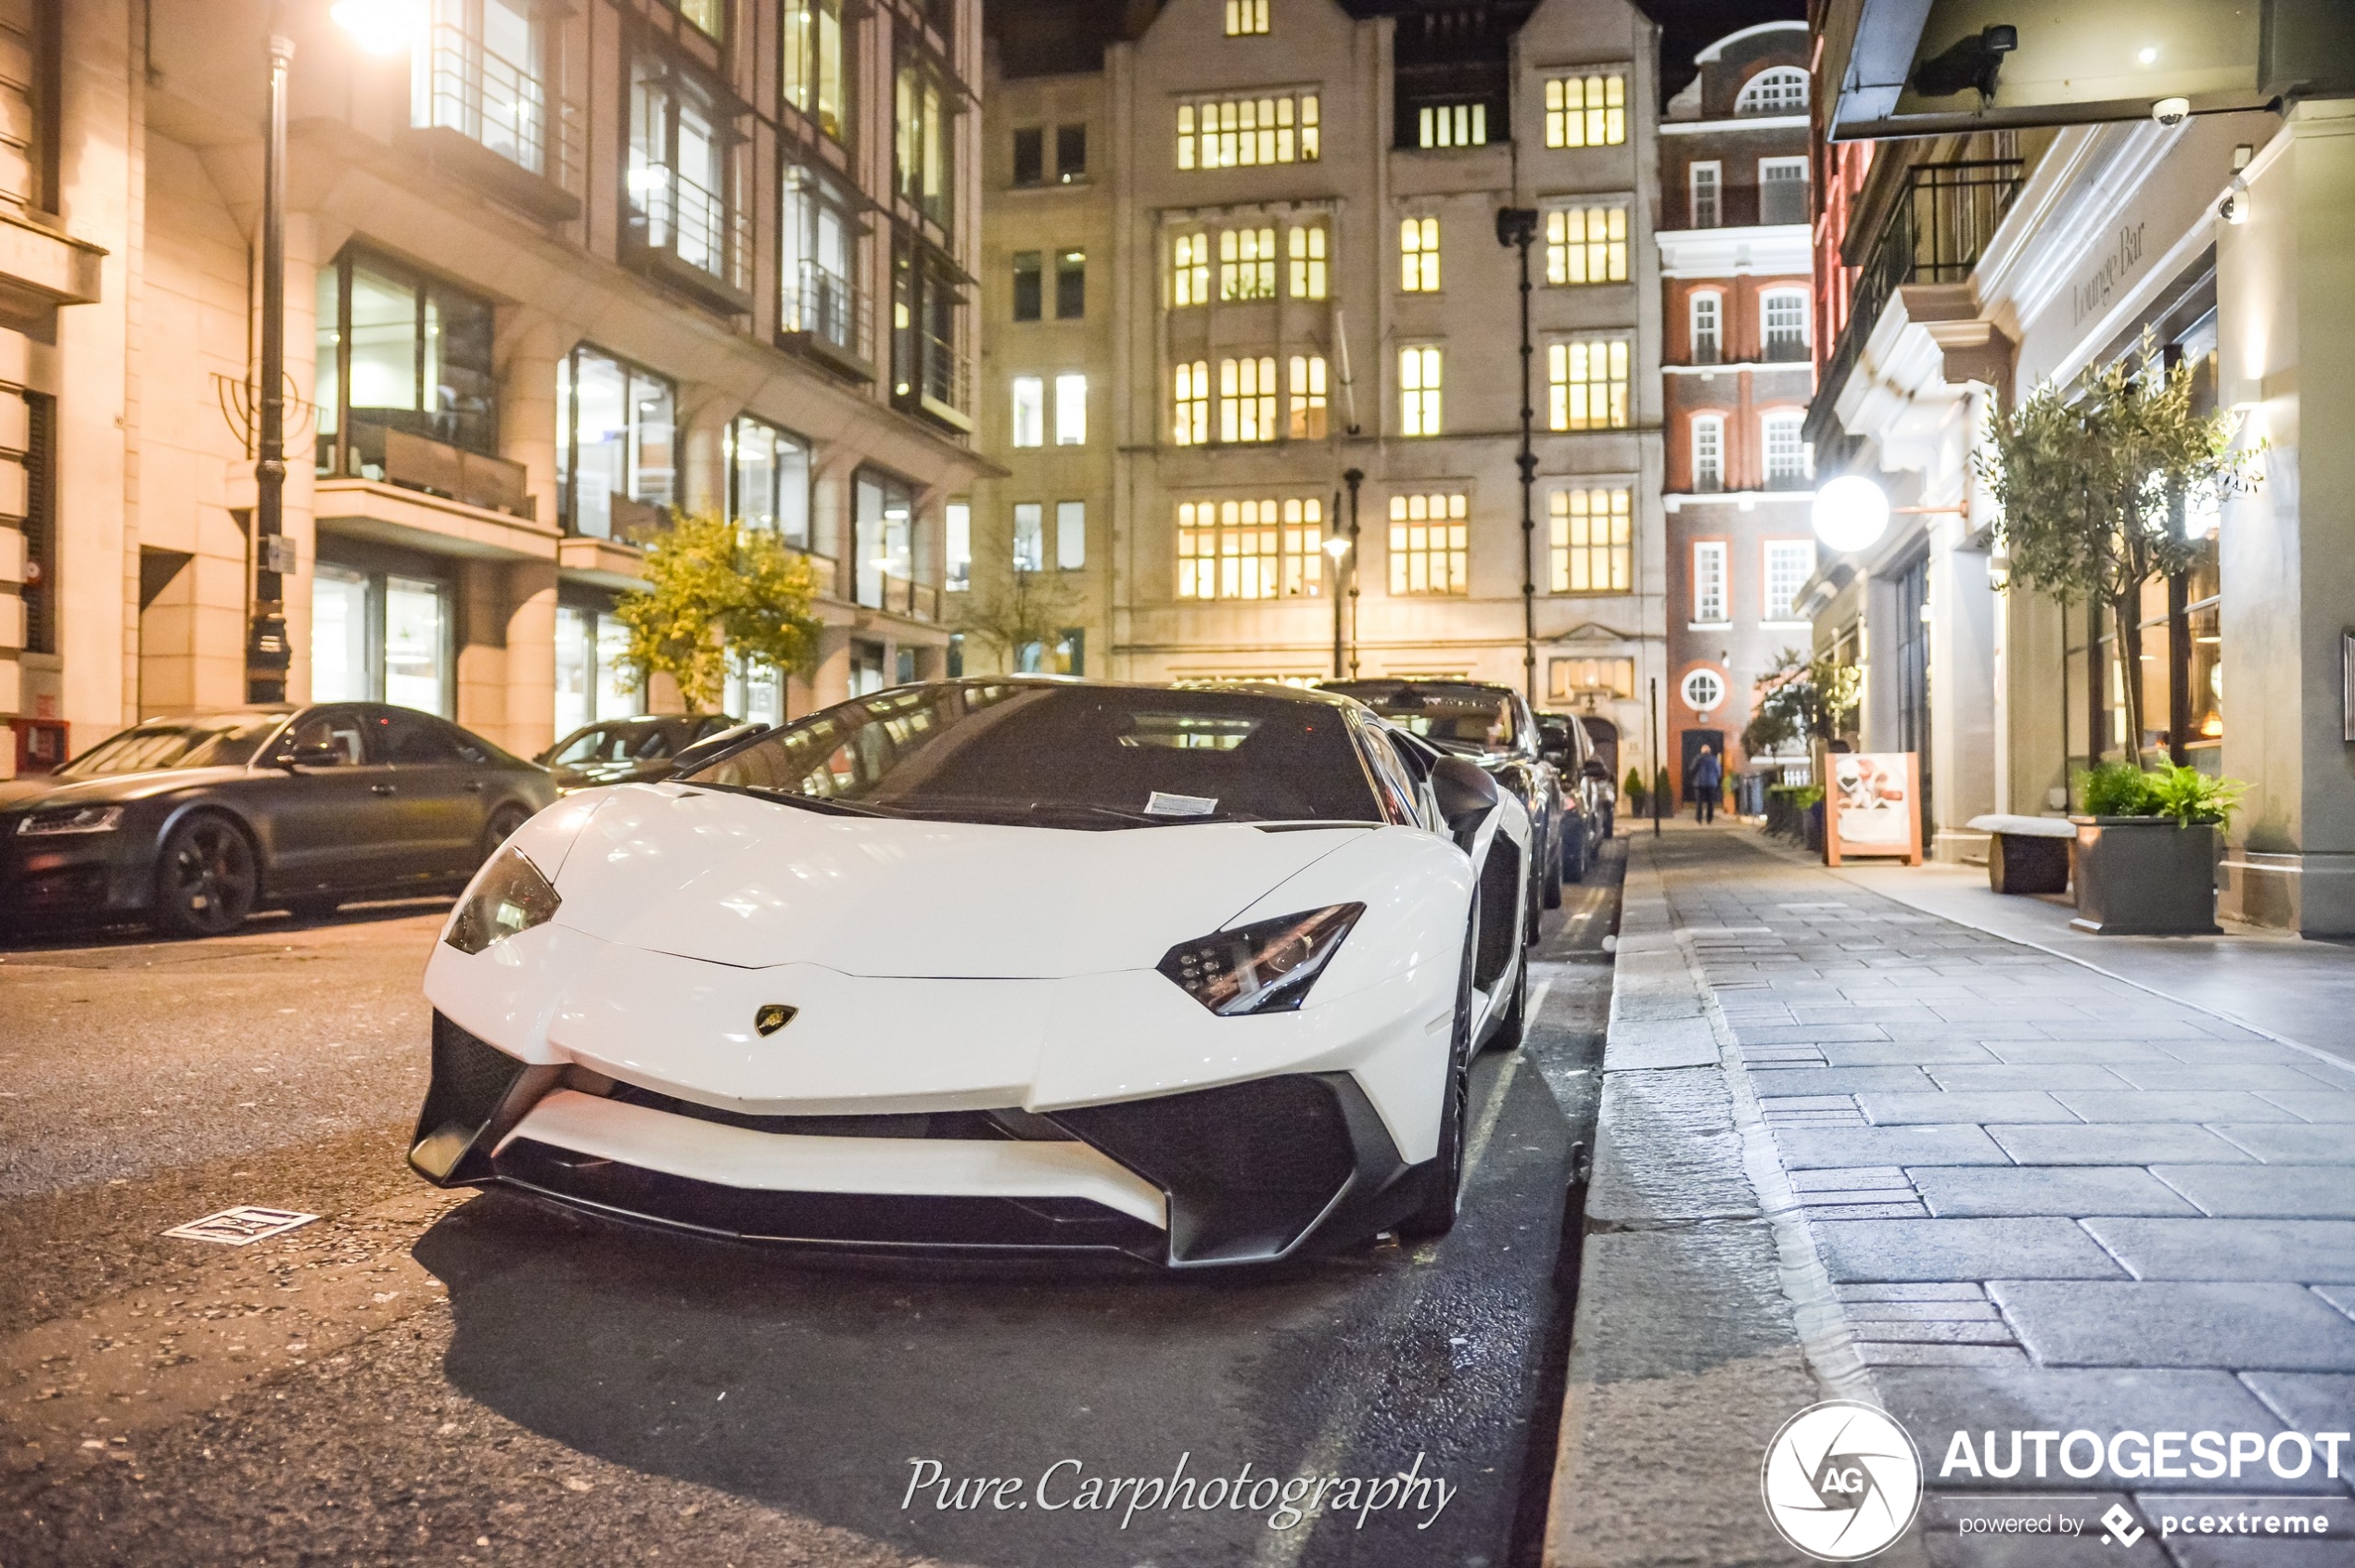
(2172, 111)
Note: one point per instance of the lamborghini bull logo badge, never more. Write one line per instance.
(772, 1017)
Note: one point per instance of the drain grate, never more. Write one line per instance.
(241, 1226)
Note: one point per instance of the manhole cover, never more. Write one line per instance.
(241, 1226)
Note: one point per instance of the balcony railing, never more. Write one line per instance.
(899, 595)
(696, 237)
(946, 385)
(1936, 233)
(831, 315)
(504, 109)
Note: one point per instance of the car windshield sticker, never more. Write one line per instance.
(1159, 804)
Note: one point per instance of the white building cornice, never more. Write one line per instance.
(1739, 123)
(1768, 249)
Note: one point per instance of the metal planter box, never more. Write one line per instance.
(2145, 877)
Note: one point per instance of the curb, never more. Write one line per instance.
(1704, 1318)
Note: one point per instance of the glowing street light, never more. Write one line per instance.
(380, 27)
(1850, 513)
(1337, 547)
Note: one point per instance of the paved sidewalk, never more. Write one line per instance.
(2005, 1192)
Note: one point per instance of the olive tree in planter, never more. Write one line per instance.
(2094, 479)
(2146, 850)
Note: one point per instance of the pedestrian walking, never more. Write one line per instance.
(1704, 784)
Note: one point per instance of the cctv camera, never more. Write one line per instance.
(2172, 111)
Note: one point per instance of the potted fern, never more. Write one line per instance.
(2147, 849)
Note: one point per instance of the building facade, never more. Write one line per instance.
(550, 272)
(1296, 276)
(1739, 371)
(1959, 271)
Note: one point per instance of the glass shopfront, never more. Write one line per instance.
(380, 634)
(591, 685)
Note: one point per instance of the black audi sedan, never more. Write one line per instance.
(639, 750)
(192, 823)
(1493, 727)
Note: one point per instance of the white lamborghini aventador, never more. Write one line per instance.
(1191, 974)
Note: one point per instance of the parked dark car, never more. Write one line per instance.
(635, 750)
(1585, 770)
(1492, 726)
(192, 823)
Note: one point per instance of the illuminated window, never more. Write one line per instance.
(1030, 544)
(1587, 244)
(1418, 378)
(1193, 403)
(1307, 421)
(1781, 89)
(1705, 181)
(1030, 411)
(1245, 16)
(1709, 454)
(816, 72)
(1308, 262)
(1782, 190)
(1071, 535)
(1189, 270)
(1428, 536)
(1569, 679)
(1452, 125)
(1250, 549)
(1585, 111)
(1419, 255)
(1592, 552)
(1247, 263)
(1586, 383)
(1247, 399)
(1790, 563)
(1240, 133)
(1709, 582)
(1071, 410)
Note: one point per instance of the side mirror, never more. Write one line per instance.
(1596, 771)
(325, 754)
(1465, 795)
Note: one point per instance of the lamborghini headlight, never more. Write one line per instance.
(1264, 967)
(509, 896)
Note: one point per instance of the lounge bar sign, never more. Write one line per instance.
(2099, 286)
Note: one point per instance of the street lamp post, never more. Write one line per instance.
(1338, 548)
(1516, 226)
(267, 652)
(1352, 478)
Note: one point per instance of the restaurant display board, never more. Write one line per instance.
(1873, 807)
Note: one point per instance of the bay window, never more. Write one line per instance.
(616, 464)
(678, 185)
(401, 353)
(819, 238)
(923, 144)
(478, 71)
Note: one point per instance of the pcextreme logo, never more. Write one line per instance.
(1842, 1481)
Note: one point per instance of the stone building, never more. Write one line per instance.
(1737, 374)
(1288, 215)
(550, 270)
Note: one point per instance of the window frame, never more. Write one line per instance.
(1562, 115)
(1562, 356)
(790, 79)
(1768, 549)
(1419, 254)
(1248, 395)
(1452, 553)
(1705, 339)
(1029, 284)
(1763, 94)
(1804, 302)
(732, 447)
(1794, 423)
(1615, 550)
(1805, 182)
(1290, 567)
(1710, 573)
(1071, 412)
(1027, 411)
(1422, 409)
(1560, 247)
(1705, 194)
(568, 431)
(1295, 134)
(1712, 482)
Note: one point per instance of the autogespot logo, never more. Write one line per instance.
(1842, 1481)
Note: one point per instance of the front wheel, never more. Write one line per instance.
(1574, 867)
(1444, 1190)
(502, 825)
(206, 878)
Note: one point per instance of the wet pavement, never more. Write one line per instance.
(422, 1376)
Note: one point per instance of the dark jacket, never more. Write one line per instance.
(1707, 774)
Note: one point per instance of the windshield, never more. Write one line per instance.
(1065, 755)
(227, 741)
(1459, 717)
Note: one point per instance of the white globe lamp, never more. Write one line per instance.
(1850, 513)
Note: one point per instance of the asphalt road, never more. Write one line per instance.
(429, 1377)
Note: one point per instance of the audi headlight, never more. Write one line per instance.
(72, 818)
(1264, 967)
(510, 895)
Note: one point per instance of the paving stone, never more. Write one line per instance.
(1941, 1289)
(2238, 1074)
(2340, 1296)
(2308, 1402)
(1967, 1191)
(2171, 1105)
(1994, 1106)
(2039, 1052)
(1991, 1329)
(1901, 1353)
(2266, 1191)
(2020, 1075)
(1771, 1103)
(1912, 1052)
(1971, 1249)
(2219, 1052)
(1859, 1177)
(1881, 1210)
(2117, 1143)
(2290, 1142)
(2110, 1025)
(2301, 1251)
(1804, 1148)
(1896, 1016)
(2176, 1323)
(1836, 1080)
(2325, 1105)
(1934, 1404)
